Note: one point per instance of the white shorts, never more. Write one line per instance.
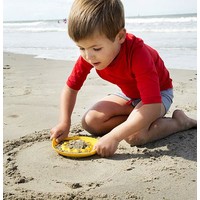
(167, 98)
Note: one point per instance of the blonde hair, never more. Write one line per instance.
(88, 16)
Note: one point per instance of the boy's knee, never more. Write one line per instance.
(86, 122)
(90, 124)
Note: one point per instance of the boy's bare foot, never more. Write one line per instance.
(184, 121)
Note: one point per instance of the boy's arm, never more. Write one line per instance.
(67, 102)
(139, 119)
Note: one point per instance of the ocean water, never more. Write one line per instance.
(173, 36)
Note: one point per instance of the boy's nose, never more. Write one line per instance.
(89, 55)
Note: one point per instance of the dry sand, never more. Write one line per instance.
(165, 169)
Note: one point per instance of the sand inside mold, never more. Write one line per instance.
(161, 170)
(76, 146)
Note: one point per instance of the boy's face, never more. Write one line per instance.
(99, 51)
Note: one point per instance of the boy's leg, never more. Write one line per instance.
(162, 127)
(113, 110)
(106, 114)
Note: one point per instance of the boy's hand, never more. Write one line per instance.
(60, 132)
(106, 146)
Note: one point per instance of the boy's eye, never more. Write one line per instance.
(97, 49)
(82, 49)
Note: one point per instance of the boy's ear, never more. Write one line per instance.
(122, 35)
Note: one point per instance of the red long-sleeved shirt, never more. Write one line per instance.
(137, 70)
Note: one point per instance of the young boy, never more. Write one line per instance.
(136, 113)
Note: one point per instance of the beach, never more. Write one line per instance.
(165, 169)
